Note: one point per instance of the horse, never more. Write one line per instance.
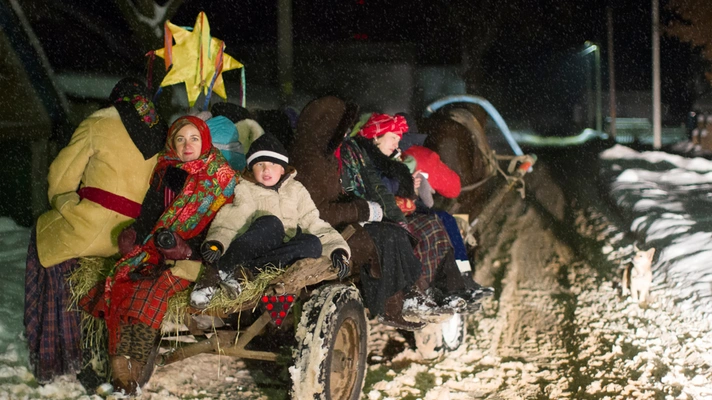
(456, 132)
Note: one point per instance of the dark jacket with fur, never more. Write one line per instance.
(391, 170)
(321, 129)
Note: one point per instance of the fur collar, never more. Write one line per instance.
(389, 167)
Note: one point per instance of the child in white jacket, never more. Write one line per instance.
(272, 220)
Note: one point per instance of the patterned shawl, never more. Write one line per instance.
(359, 178)
(209, 185)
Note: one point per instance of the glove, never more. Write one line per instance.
(211, 251)
(172, 246)
(127, 241)
(426, 193)
(375, 211)
(340, 261)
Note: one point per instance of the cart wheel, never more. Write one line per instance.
(454, 332)
(330, 357)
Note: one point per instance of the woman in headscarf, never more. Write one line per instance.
(191, 181)
(381, 248)
(376, 143)
(96, 186)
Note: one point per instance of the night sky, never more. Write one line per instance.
(535, 42)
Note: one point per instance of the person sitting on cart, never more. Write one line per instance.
(161, 249)
(96, 185)
(377, 143)
(272, 220)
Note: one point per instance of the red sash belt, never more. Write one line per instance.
(111, 201)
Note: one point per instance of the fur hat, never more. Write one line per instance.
(444, 181)
(267, 148)
(231, 111)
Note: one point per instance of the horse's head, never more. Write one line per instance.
(479, 113)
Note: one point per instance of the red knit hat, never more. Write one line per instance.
(380, 124)
(444, 181)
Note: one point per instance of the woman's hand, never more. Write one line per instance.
(417, 177)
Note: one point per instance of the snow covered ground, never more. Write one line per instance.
(537, 337)
(667, 201)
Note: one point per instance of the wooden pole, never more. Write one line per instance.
(611, 77)
(657, 131)
(285, 50)
(597, 65)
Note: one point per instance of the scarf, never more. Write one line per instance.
(380, 124)
(351, 162)
(146, 128)
(209, 185)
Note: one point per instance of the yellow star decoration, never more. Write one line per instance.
(195, 56)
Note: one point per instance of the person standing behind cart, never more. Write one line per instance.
(191, 181)
(272, 220)
(96, 185)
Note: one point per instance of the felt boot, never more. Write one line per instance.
(393, 314)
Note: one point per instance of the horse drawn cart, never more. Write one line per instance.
(324, 319)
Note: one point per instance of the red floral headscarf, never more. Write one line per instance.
(380, 124)
(210, 184)
(205, 137)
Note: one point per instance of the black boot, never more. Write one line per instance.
(205, 287)
(457, 285)
(393, 314)
(430, 306)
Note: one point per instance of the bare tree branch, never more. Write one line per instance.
(146, 19)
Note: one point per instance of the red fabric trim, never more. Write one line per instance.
(444, 180)
(111, 201)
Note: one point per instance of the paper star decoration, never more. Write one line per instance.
(197, 59)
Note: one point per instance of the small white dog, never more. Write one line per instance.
(638, 276)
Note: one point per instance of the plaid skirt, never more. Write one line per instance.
(433, 242)
(146, 302)
(53, 331)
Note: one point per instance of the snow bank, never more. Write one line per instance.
(667, 201)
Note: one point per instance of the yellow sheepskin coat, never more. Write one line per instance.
(102, 155)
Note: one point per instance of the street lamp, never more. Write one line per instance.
(596, 50)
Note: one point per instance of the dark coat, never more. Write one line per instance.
(392, 171)
(360, 178)
(321, 129)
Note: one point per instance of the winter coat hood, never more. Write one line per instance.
(324, 123)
